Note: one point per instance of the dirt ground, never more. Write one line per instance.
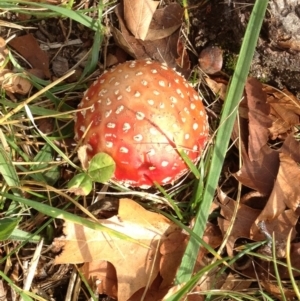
(276, 60)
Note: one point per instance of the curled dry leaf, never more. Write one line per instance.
(14, 83)
(218, 88)
(138, 15)
(136, 265)
(164, 50)
(82, 156)
(183, 60)
(165, 21)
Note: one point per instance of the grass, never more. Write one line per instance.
(227, 120)
(33, 179)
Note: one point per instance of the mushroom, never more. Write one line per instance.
(141, 113)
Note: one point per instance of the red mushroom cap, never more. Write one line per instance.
(140, 112)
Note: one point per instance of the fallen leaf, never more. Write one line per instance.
(103, 273)
(135, 264)
(260, 162)
(286, 193)
(29, 48)
(154, 292)
(14, 83)
(259, 122)
(280, 293)
(165, 21)
(244, 219)
(260, 175)
(183, 61)
(172, 250)
(291, 148)
(125, 40)
(285, 111)
(218, 88)
(281, 226)
(235, 283)
(138, 15)
(161, 50)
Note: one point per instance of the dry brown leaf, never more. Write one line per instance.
(260, 162)
(105, 273)
(162, 50)
(260, 175)
(244, 220)
(275, 290)
(29, 48)
(291, 147)
(136, 265)
(235, 283)
(125, 40)
(138, 15)
(217, 88)
(14, 83)
(172, 250)
(281, 226)
(183, 61)
(259, 122)
(286, 193)
(285, 111)
(154, 292)
(165, 21)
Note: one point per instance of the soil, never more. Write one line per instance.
(277, 57)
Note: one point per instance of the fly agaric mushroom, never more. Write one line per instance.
(140, 113)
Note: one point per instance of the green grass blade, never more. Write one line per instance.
(223, 136)
(78, 16)
(58, 213)
(7, 170)
(62, 154)
(7, 226)
(38, 110)
(10, 176)
(20, 235)
(94, 55)
(43, 171)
